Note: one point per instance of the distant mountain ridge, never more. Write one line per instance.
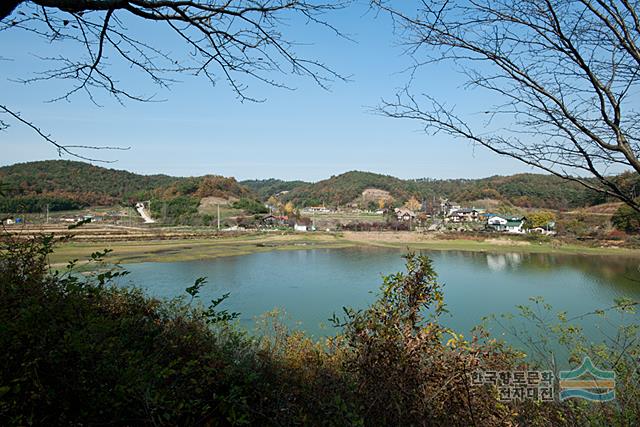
(526, 190)
(65, 184)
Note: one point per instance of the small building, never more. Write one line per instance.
(300, 227)
(515, 225)
(548, 229)
(497, 223)
(274, 220)
(507, 224)
(465, 215)
(316, 209)
(268, 220)
(404, 214)
(303, 224)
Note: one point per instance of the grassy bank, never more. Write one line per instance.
(195, 249)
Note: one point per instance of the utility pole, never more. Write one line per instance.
(218, 216)
(47, 213)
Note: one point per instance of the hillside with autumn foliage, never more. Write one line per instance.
(524, 190)
(66, 185)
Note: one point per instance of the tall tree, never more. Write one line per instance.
(562, 76)
(236, 41)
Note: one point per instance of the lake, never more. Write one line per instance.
(310, 285)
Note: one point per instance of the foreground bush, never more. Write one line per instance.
(77, 350)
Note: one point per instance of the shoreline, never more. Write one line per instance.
(176, 250)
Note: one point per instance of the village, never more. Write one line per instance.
(442, 216)
(445, 217)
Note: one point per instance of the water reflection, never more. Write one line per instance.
(312, 284)
(617, 272)
(499, 262)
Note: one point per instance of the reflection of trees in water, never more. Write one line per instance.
(623, 273)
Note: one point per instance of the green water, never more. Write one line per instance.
(310, 285)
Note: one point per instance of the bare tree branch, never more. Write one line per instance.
(234, 41)
(564, 75)
(66, 149)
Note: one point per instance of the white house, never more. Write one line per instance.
(498, 223)
(508, 224)
(515, 225)
(300, 227)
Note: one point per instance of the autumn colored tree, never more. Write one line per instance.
(289, 208)
(413, 204)
(273, 201)
(540, 219)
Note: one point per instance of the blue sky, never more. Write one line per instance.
(308, 133)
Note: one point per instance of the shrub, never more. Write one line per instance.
(79, 350)
(626, 219)
(250, 206)
(405, 374)
(616, 235)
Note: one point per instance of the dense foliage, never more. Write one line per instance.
(35, 203)
(626, 219)
(526, 190)
(78, 350)
(81, 351)
(250, 206)
(268, 187)
(178, 210)
(69, 184)
(205, 186)
(540, 219)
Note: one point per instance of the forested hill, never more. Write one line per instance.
(269, 187)
(64, 184)
(346, 188)
(527, 190)
(95, 184)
